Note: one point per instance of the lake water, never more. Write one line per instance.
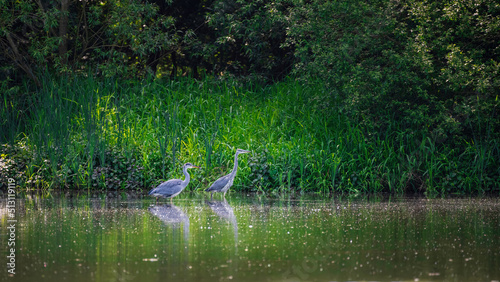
(252, 238)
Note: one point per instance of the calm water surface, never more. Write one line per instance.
(252, 238)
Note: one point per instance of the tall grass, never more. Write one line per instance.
(109, 134)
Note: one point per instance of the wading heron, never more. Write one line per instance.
(224, 183)
(173, 187)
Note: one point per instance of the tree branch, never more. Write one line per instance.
(19, 59)
(63, 30)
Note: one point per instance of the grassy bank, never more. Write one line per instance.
(108, 134)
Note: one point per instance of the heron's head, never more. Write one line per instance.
(241, 151)
(190, 165)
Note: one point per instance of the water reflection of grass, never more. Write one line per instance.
(348, 239)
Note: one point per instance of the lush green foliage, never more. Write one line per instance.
(111, 37)
(128, 135)
(361, 95)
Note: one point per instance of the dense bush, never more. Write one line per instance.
(101, 37)
(448, 48)
(418, 63)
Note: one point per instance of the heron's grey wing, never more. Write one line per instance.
(168, 188)
(218, 184)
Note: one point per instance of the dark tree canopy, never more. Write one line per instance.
(450, 44)
(381, 55)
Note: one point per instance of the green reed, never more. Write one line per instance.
(111, 134)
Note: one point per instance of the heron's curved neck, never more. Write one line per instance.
(186, 180)
(233, 173)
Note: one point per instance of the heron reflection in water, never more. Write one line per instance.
(172, 216)
(223, 210)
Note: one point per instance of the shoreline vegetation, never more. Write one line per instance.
(348, 97)
(132, 135)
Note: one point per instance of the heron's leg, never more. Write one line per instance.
(157, 200)
(211, 195)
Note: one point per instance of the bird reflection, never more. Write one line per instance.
(225, 211)
(172, 216)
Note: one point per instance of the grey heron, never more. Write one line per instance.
(225, 182)
(173, 187)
